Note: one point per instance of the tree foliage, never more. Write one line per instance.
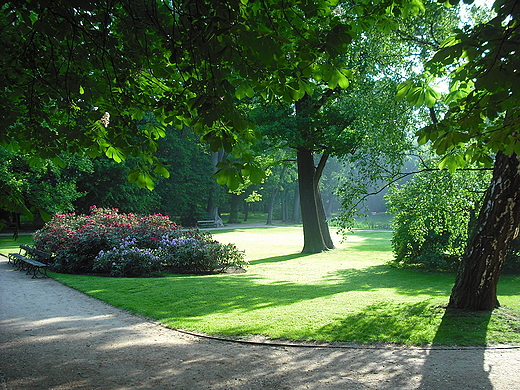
(77, 76)
(480, 126)
(482, 66)
(45, 187)
(433, 213)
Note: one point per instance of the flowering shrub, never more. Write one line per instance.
(127, 260)
(198, 255)
(77, 239)
(131, 245)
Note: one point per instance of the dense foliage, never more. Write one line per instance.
(482, 64)
(78, 75)
(106, 241)
(433, 213)
(43, 185)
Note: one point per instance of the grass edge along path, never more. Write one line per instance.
(345, 295)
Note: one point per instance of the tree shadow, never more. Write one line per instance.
(278, 259)
(459, 367)
(404, 281)
(385, 322)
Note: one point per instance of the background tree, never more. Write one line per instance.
(481, 124)
(433, 214)
(179, 196)
(46, 188)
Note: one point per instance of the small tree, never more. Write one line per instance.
(433, 213)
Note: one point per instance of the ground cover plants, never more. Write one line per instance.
(348, 294)
(108, 242)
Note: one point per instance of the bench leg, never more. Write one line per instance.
(30, 269)
(38, 270)
(21, 265)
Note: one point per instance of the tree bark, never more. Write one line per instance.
(313, 238)
(322, 216)
(274, 193)
(476, 283)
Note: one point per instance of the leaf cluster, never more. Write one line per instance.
(66, 65)
(482, 64)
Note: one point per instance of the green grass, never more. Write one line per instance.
(9, 245)
(348, 294)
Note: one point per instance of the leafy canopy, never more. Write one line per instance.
(483, 67)
(78, 76)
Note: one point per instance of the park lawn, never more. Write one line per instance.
(348, 294)
(9, 245)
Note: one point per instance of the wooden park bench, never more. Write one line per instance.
(32, 261)
(207, 224)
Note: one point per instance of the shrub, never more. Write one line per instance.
(199, 255)
(432, 214)
(77, 239)
(127, 260)
(106, 241)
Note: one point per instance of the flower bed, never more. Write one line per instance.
(106, 241)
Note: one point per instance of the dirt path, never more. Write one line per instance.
(54, 337)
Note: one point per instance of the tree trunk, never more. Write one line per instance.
(313, 239)
(274, 193)
(322, 216)
(296, 210)
(246, 211)
(234, 201)
(212, 209)
(270, 208)
(476, 283)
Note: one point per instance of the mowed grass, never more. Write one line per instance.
(349, 294)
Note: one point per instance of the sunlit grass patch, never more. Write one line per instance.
(347, 294)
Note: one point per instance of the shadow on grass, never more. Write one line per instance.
(188, 298)
(408, 323)
(278, 259)
(461, 327)
(404, 281)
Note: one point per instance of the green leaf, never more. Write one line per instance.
(403, 89)
(233, 181)
(162, 171)
(59, 162)
(81, 90)
(133, 175)
(142, 178)
(243, 90)
(257, 175)
(343, 81)
(115, 154)
(431, 96)
(45, 216)
(423, 138)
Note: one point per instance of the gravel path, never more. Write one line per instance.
(54, 337)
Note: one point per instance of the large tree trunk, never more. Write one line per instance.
(313, 228)
(476, 283)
